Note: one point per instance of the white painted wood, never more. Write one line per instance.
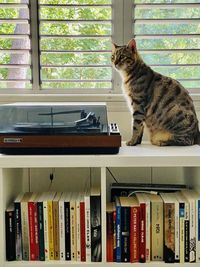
(17, 171)
(144, 155)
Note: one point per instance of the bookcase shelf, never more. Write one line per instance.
(14, 168)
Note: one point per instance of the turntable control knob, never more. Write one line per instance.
(114, 128)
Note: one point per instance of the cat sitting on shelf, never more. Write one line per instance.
(160, 102)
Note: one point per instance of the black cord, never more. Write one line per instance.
(112, 175)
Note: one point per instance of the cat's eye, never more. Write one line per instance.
(112, 57)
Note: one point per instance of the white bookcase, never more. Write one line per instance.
(14, 174)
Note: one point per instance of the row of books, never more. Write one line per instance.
(54, 226)
(147, 227)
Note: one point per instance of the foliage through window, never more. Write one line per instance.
(168, 37)
(72, 42)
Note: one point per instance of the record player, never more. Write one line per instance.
(39, 128)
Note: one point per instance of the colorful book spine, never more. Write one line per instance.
(110, 237)
(125, 234)
(142, 257)
(169, 232)
(25, 231)
(134, 234)
(82, 231)
(78, 231)
(46, 227)
(32, 243)
(118, 230)
(198, 231)
(182, 232)
(177, 232)
(56, 239)
(50, 229)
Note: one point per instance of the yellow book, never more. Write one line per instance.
(50, 227)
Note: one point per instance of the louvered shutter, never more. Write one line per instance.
(75, 42)
(15, 52)
(168, 37)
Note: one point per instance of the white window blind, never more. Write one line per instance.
(15, 56)
(75, 43)
(168, 37)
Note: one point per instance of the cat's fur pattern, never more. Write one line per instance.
(160, 102)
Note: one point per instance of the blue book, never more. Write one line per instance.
(118, 230)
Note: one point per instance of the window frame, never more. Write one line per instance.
(122, 32)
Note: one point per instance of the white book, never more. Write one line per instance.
(78, 231)
(25, 226)
(192, 218)
(87, 227)
(73, 226)
(196, 197)
(62, 226)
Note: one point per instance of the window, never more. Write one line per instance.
(15, 60)
(168, 37)
(64, 46)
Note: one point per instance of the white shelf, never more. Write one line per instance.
(93, 264)
(145, 155)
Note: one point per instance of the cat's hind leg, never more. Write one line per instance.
(161, 138)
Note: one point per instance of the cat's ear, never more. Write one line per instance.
(132, 45)
(114, 46)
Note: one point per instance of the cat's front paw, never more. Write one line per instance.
(131, 142)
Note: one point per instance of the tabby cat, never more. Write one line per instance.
(160, 102)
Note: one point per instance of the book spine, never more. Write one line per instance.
(87, 229)
(142, 238)
(36, 231)
(95, 218)
(25, 231)
(46, 236)
(148, 234)
(32, 244)
(62, 230)
(118, 233)
(50, 229)
(177, 233)
(114, 236)
(169, 232)
(73, 229)
(125, 234)
(198, 231)
(67, 231)
(109, 241)
(78, 232)
(134, 234)
(56, 230)
(157, 241)
(10, 236)
(182, 231)
(41, 231)
(187, 232)
(18, 231)
(82, 231)
(192, 246)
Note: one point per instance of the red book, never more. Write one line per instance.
(33, 229)
(110, 232)
(142, 239)
(32, 246)
(134, 234)
(82, 230)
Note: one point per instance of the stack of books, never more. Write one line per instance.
(150, 226)
(54, 226)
